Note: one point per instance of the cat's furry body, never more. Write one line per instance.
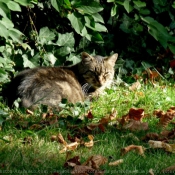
(49, 85)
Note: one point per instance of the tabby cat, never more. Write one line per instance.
(49, 85)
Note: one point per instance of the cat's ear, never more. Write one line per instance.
(112, 59)
(86, 57)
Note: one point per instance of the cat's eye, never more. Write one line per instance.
(106, 74)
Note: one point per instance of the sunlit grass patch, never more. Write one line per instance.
(27, 142)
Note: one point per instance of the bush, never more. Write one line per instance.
(47, 33)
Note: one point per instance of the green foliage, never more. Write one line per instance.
(48, 33)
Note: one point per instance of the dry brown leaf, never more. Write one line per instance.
(82, 170)
(124, 120)
(165, 117)
(151, 136)
(74, 139)
(160, 144)
(151, 172)
(72, 162)
(134, 125)
(170, 169)
(70, 147)
(115, 163)
(27, 140)
(170, 148)
(130, 136)
(156, 144)
(95, 161)
(158, 113)
(91, 142)
(137, 148)
(36, 127)
(135, 86)
(29, 112)
(167, 134)
(61, 139)
(53, 138)
(136, 114)
(90, 115)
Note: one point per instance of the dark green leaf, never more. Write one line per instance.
(3, 31)
(63, 51)
(27, 62)
(66, 39)
(89, 9)
(140, 4)
(5, 1)
(4, 10)
(24, 2)
(7, 23)
(73, 58)
(50, 57)
(172, 48)
(114, 10)
(76, 22)
(56, 4)
(15, 35)
(45, 35)
(110, 0)
(144, 11)
(97, 17)
(14, 6)
(127, 6)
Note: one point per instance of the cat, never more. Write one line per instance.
(49, 85)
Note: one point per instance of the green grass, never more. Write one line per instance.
(41, 156)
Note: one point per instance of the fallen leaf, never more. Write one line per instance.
(136, 114)
(130, 136)
(53, 138)
(90, 115)
(115, 163)
(139, 149)
(27, 140)
(82, 170)
(156, 144)
(165, 117)
(91, 142)
(95, 161)
(170, 169)
(55, 173)
(61, 139)
(151, 171)
(29, 112)
(70, 147)
(135, 86)
(36, 127)
(160, 144)
(73, 139)
(134, 125)
(167, 134)
(151, 136)
(72, 162)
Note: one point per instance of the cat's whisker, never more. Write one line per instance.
(86, 87)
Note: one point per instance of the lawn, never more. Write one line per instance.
(31, 142)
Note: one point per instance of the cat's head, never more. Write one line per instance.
(97, 71)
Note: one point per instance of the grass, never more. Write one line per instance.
(27, 150)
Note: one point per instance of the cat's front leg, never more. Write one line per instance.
(96, 93)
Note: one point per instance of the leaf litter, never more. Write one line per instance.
(132, 121)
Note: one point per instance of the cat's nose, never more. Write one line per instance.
(100, 81)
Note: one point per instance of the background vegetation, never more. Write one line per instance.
(51, 32)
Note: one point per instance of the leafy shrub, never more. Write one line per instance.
(46, 33)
